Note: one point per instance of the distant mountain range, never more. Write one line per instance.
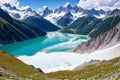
(67, 14)
(62, 16)
(17, 13)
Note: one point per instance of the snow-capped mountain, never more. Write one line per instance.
(27, 15)
(46, 12)
(76, 12)
(18, 13)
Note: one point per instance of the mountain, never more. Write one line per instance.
(115, 12)
(77, 25)
(89, 27)
(105, 34)
(30, 17)
(12, 30)
(46, 12)
(41, 23)
(77, 9)
(18, 13)
(65, 20)
(67, 6)
(57, 16)
(81, 22)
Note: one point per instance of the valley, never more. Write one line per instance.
(67, 42)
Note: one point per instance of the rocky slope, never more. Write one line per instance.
(104, 37)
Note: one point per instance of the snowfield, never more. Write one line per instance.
(51, 62)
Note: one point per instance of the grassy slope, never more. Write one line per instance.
(14, 65)
(106, 69)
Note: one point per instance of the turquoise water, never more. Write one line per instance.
(53, 42)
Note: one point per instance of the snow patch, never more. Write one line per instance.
(66, 4)
(100, 16)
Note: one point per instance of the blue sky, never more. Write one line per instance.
(52, 4)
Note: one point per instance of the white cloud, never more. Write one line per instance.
(14, 3)
(11, 2)
(99, 4)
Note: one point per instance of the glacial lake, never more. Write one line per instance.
(52, 42)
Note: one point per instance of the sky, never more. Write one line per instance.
(52, 4)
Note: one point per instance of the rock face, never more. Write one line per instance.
(105, 39)
(82, 66)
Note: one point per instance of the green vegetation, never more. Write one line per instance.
(11, 65)
(78, 24)
(64, 21)
(88, 28)
(92, 27)
(81, 22)
(12, 30)
(102, 70)
(41, 23)
(106, 25)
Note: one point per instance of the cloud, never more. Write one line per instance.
(11, 2)
(14, 3)
(99, 4)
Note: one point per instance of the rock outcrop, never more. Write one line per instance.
(104, 40)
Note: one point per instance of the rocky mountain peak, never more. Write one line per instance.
(46, 11)
(68, 6)
(68, 14)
